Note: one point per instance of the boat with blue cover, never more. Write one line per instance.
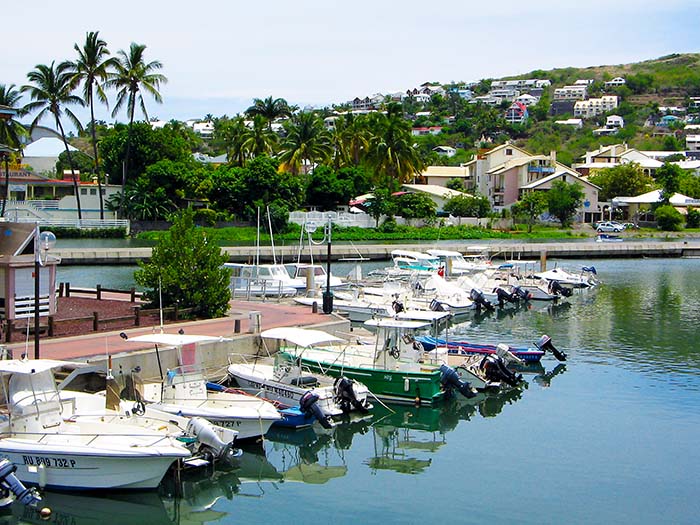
(458, 347)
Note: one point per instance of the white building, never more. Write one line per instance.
(527, 99)
(445, 151)
(576, 92)
(614, 121)
(595, 106)
(575, 122)
(692, 142)
(617, 81)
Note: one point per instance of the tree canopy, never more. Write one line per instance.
(563, 200)
(186, 270)
(625, 180)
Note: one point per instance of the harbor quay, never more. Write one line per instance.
(496, 250)
(249, 318)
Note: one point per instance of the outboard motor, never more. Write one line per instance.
(503, 351)
(397, 306)
(450, 380)
(217, 440)
(308, 404)
(10, 483)
(545, 343)
(556, 288)
(477, 296)
(522, 293)
(505, 297)
(345, 395)
(436, 306)
(495, 370)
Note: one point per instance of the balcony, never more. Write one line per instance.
(540, 169)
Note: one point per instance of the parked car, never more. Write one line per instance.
(609, 226)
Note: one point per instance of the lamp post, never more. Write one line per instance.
(328, 295)
(327, 238)
(5, 154)
(42, 241)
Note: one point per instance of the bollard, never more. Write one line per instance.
(137, 316)
(543, 261)
(255, 322)
(99, 292)
(314, 307)
(67, 289)
(237, 326)
(52, 325)
(95, 321)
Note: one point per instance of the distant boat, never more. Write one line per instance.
(606, 237)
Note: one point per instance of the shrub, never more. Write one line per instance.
(693, 218)
(669, 218)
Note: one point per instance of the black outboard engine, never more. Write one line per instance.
(450, 381)
(522, 293)
(477, 296)
(345, 396)
(495, 370)
(308, 404)
(505, 297)
(10, 483)
(436, 306)
(545, 343)
(397, 306)
(556, 288)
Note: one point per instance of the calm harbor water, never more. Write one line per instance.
(611, 437)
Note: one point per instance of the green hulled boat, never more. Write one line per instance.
(393, 368)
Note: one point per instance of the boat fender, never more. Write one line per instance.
(346, 397)
(9, 481)
(545, 343)
(309, 405)
(450, 380)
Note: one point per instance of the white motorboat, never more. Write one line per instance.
(584, 279)
(261, 280)
(290, 384)
(457, 264)
(303, 275)
(183, 392)
(54, 452)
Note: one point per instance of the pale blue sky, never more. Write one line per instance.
(219, 55)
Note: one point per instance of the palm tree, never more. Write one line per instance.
(307, 142)
(269, 108)
(10, 132)
(132, 76)
(51, 88)
(91, 68)
(391, 151)
(258, 139)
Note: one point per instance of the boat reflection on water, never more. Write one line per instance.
(144, 508)
(398, 438)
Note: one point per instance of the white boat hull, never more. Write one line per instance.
(286, 394)
(54, 466)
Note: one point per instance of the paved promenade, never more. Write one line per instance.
(504, 250)
(100, 343)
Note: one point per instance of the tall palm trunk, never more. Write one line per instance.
(125, 166)
(94, 151)
(5, 193)
(72, 169)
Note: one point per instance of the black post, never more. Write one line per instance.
(36, 294)
(327, 295)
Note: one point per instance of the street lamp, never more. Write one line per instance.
(327, 238)
(42, 241)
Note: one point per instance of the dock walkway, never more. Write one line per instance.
(502, 250)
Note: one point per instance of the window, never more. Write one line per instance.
(509, 151)
(93, 191)
(83, 191)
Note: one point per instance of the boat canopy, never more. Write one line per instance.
(174, 339)
(395, 323)
(299, 336)
(30, 366)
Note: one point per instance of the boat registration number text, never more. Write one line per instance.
(49, 462)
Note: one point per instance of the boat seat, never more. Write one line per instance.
(304, 381)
